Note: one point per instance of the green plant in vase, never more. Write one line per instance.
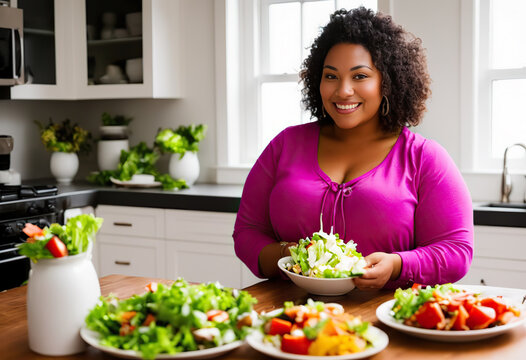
(65, 140)
(183, 141)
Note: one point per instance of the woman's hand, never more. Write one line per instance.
(381, 267)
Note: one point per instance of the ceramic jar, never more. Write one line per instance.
(60, 293)
(64, 166)
(186, 168)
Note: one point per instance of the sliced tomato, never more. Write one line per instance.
(295, 344)
(416, 287)
(56, 247)
(217, 315)
(469, 302)
(430, 316)
(480, 317)
(149, 319)
(497, 303)
(279, 327)
(151, 287)
(461, 318)
(32, 230)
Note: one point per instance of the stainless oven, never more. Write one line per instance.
(11, 45)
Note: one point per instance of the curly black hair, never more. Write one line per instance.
(396, 53)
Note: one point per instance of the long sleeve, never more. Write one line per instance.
(253, 229)
(443, 224)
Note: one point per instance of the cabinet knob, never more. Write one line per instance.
(482, 282)
(125, 263)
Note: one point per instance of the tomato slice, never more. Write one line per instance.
(56, 247)
(497, 303)
(430, 316)
(32, 230)
(480, 317)
(295, 344)
(279, 327)
(460, 320)
(217, 315)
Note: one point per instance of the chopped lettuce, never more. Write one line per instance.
(77, 234)
(407, 301)
(327, 256)
(179, 311)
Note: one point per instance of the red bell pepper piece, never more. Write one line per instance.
(496, 303)
(32, 230)
(460, 320)
(295, 344)
(279, 327)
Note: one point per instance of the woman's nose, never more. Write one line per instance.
(345, 89)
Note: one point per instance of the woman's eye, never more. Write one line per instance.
(330, 76)
(360, 76)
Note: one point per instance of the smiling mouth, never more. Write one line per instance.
(346, 108)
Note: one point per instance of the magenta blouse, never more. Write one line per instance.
(414, 203)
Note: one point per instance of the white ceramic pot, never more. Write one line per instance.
(109, 153)
(186, 168)
(114, 132)
(134, 70)
(60, 293)
(64, 166)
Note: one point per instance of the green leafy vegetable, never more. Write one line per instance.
(409, 300)
(181, 140)
(139, 160)
(117, 120)
(77, 234)
(179, 310)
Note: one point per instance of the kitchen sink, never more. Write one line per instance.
(504, 205)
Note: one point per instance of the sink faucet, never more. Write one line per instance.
(506, 178)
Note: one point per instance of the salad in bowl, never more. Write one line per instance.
(323, 264)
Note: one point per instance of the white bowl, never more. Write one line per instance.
(317, 286)
(134, 70)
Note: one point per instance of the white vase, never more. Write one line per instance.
(64, 166)
(60, 293)
(109, 153)
(186, 168)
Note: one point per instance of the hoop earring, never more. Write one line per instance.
(385, 106)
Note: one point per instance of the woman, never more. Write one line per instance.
(396, 194)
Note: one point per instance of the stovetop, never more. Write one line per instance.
(17, 192)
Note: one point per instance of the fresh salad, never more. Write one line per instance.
(443, 307)
(173, 319)
(317, 328)
(56, 240)
(326, 256)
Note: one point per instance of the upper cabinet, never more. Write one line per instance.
(99, 49)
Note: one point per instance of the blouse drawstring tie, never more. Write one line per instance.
(342, 192)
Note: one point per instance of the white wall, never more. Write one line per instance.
(198, 106)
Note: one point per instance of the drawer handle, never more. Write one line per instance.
(127, 263)
(122, 224)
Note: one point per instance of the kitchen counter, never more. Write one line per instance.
(270, 294)
(214, 197)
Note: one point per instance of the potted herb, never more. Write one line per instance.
(65, 141)
(114, 139)
(183, 144)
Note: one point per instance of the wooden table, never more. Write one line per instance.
(270, 294)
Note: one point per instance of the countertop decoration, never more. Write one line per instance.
(114, 134)
(140, 159)
(183, 144)
(64, 140)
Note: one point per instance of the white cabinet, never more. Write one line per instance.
(77, 64)
(194, 245)
(130, 241)
(201, 248)
(500, 257)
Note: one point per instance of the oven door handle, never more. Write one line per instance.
(16, 258)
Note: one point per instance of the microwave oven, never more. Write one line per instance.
(11, 46)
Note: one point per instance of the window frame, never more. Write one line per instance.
(477, 77)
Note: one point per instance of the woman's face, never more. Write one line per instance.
(350, 86)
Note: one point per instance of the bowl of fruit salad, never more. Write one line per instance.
(323, 264)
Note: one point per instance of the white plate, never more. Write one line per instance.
(514, 296)
(255, 340)
(317, 286)
(135, 183)
(92, 338)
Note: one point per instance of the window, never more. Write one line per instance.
(266, 43)
(500, 83)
